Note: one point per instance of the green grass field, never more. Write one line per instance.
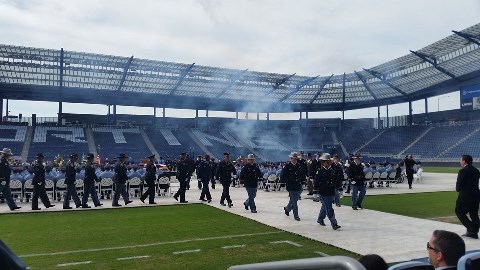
(45, 240)
(441, 169)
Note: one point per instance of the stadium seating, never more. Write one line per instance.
(53, 141)
(170, 143)
(218, 142)
(392, 141)
(114, 141)
(13, 137)
(354, 138)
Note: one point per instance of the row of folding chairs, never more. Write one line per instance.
(383, 179)
(23, 191)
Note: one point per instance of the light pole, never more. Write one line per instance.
(438, 102)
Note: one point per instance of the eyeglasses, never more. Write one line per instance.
(432, 248)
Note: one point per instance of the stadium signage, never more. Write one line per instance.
(470, 97)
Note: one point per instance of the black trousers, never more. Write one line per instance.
(473, 223)
(150, 193)
(205, 191)
(226, 193)
(181, 191)
(410, 178)
(39, 191)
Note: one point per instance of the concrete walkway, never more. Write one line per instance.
(394, 237)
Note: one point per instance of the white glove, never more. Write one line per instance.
(3, 183)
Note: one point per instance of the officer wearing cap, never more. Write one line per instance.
(183, 174)
(314, 166)
(89, 183)
(293, 176)
(337, 167)
(121, 178)
(224, 173)
(39, 184)
(203, 175)
(357, 176)
(5, 172)
(326, 183)
(71, 192)
(150, 181)
(250, 174)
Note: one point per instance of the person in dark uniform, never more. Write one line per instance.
(5, 173)
(121, 178)
(293, 175)
(39, 184)
(89, 183)
(304, 166)
(309, 170)
(183, 174)
(71, 192)
(357, 182)
(191, 168)
(338, 169)
(224, 173)
(316, 164)
(468, 196)
(213, 166)
(197, 163)
(409, 163)
(250, 174)
(326, 184)
(150, 181)
(203, 174)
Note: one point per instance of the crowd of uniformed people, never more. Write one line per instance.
(324, 177)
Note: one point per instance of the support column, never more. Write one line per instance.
(114, 114)
(342, 122)
(388, 119)
(378, 118)
(154, 116)
(208, 121)
(258, 116)
(1, 110)
(6, 110)
(60, 112)
(410, 114)
(196, 118)
(108, 115)
(426, 110)
(236, 115)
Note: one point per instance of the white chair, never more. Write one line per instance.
(79, 187)
(16, 188)
(50, 188)
(391, 179)
(134, 186)
(28, 189)
(164, 186)
(383, 178)
(368, 179)
(60, 189)
(417, 177)
(271, 182)
(106, 187)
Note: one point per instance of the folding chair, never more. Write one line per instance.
(271, 182)
(417, 177)
(16, 188)
(60, 189)
(106, 188)
(79, 187)
(383, 178)
(134, 186)
(368, 179)
(27, 190)
(163, 186)
(391, 179)
(50, 188)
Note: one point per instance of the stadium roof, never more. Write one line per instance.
(61, 75)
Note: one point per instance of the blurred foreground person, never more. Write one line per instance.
(5, 173)
(445, 249)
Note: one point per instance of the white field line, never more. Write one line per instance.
(186, 251)
(287, 242)
(146, 245)
(321, 253)
(133, 258)
(234, 246)
(74, 263)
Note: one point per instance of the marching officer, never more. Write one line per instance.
(250, 174)
(337, 167)
(316, 164)
(121, 178)
(39, 184)
(224, 173)
(203, 174)
(150, 181)
(357, 177)
(293, 176)
(89, 183)
(71, 192)
(326, 184)
(5, 172)
(213, 166)
(183, 175)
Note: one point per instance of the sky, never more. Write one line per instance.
(306, 37)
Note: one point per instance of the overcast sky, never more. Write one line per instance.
(306, 37)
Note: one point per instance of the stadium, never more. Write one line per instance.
(202, 235)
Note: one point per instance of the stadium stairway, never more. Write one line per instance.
(92, 147)
(200, 145)
(336, 142)
(26, 144)
(458, 142)
(149, 143)
(415, 141)
(248, 146)
(373, 139)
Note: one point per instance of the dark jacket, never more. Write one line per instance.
(409, 163)
(121, 176)
(203, 171)
(303, 166)
(90, 176)
(325, 181)
(5, 171)
(150, 173)
(293, 176)
(70, 173)
(356, 174)
(250, 174)
(338, 173)
(316, 164)
(467, 186)
(224, 171)
(39, 174)
(183, 170)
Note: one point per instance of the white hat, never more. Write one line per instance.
(6, 151)
(325, 157)
(250, 156)
(294, 155)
